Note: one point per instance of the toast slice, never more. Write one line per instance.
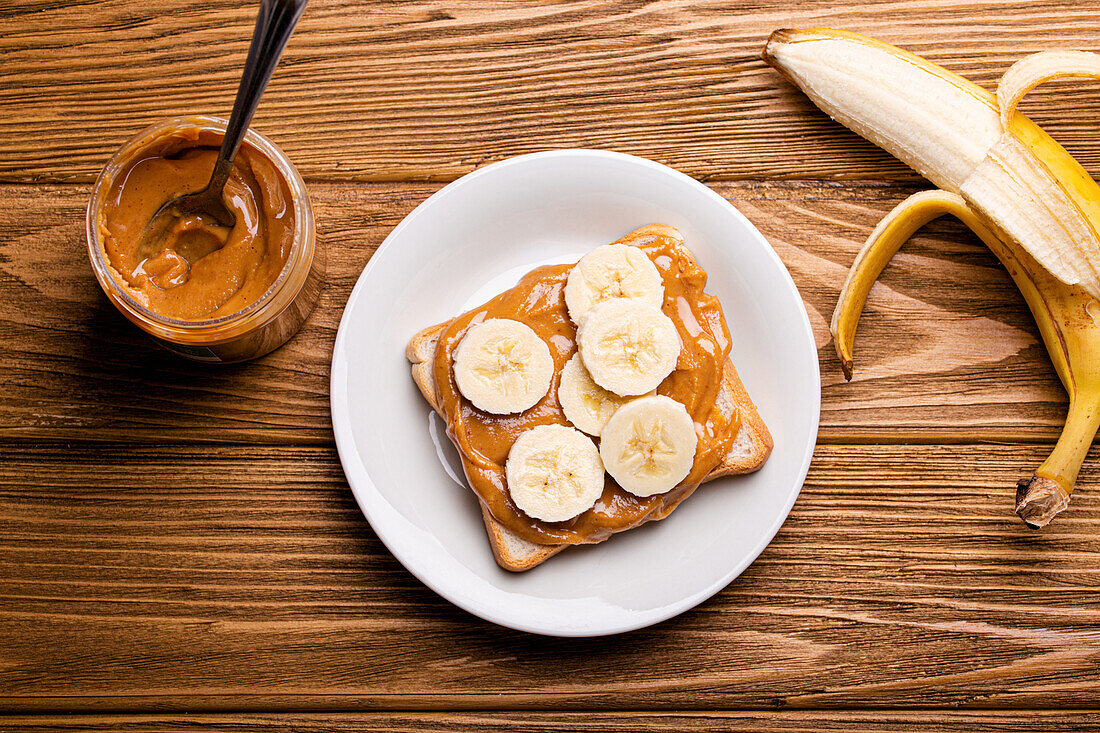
(751, 447)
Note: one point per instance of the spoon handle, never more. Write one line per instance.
(274, 24)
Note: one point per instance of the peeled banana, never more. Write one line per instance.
(1002, 176)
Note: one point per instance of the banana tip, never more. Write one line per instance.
(1039, 500)
(782, 35)
(843, 353)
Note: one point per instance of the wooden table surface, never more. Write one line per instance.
(178, 545)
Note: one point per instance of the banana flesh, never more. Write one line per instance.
(628, 346)
(648, 446)
(554, 472)
(612, 271)
(1027, 199)
(586, 404)
(502, 366)
(934, 121)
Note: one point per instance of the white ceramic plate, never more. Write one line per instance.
(474, 239)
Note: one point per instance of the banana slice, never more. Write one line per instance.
(502, 366)
(648, 445)
(612, 271)
(586, 404)
(554, 472)
(627, 346)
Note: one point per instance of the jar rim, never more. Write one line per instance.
(104, 271)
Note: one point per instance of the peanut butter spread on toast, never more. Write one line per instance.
(484, 439)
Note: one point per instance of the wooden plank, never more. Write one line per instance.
(210, 578)
(924, 721)
(429, 90)
(947, 350)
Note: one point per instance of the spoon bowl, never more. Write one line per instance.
(184, 212)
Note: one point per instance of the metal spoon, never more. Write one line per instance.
(274, 24)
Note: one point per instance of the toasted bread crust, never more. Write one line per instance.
(511, 551)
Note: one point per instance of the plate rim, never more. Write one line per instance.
(350, 458)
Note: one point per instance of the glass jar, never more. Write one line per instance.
(254, 330)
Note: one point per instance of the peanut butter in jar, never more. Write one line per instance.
(205, 291)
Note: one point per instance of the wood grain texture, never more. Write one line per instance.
(429, 89)
(924, 721)
(947, 350)
(179, 538)
(215, 578)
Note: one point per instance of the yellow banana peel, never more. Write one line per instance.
(1027, 199)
